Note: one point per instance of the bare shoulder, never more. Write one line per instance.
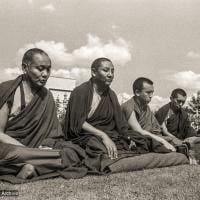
(4, 111)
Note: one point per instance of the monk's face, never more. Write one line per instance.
(38, 71)
(104, 74)
(146, 93)
(178, 101)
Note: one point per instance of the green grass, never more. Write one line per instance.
(178, 183)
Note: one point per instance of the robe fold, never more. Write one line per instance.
(177, 124)
(37, 124)
(107, 117)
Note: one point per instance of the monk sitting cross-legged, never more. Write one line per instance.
(138, 113)
(94, 121)
(31, 139)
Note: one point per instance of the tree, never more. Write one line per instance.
(193, 110)
(58, 102)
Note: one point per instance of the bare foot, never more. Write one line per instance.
(26, 172)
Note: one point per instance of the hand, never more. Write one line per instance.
(176, 141)
(132, 145)
(191, 140)
(111, 147)
(44, 147)
(168, 146)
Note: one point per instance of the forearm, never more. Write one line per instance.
(169, 134)
(7, 139)
(143, 132)
(93, 131)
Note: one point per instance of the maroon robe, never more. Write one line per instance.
(144, 115)
(36, 125)
(177, 124)
(107, 117)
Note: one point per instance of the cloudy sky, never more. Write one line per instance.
(159, 39)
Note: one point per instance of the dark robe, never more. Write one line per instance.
(107, 117)
(177, 124)
(36, 125)
(144, 115)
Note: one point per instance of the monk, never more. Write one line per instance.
(31, 138)
(94, 121)
(138, 113)
(174, 120)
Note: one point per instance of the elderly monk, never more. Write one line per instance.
(138, 114)
(29, 127)
(94, 121)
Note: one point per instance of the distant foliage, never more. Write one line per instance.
(61, 106)
(193, 109)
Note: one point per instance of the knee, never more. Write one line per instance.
(15, 154)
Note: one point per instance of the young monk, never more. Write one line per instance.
(94, 121)
(29, 127)
(138, 114)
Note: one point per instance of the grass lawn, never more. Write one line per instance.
(178, 183)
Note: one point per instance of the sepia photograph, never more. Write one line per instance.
(100, 99)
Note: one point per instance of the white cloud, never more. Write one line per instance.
(49, 7)
(192, 54)
(123, 97)
(30, 1)
(157, 102)
(186, 79)
(9, 73)
(117, 51)
(80, 74)
(57, 52)
(114, 27)
(13, 71)
(77, 63)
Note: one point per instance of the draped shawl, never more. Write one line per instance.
(79, 107)
(178, 123)
(145, 116)
(37, 123)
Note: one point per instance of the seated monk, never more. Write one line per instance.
(29, 127)
(175, 122)
(138, 113)
(94, 121)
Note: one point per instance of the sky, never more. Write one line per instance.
(158, 39)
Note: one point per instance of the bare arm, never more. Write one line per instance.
(133, 123)
(110, 145)
(4, 111)
(167, 133)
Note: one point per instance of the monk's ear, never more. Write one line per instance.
(93, 72)
(137, 92)
(24, 68)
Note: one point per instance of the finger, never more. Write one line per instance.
(174, 149)
(115, 153)
(109, 152)
(112, 153)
